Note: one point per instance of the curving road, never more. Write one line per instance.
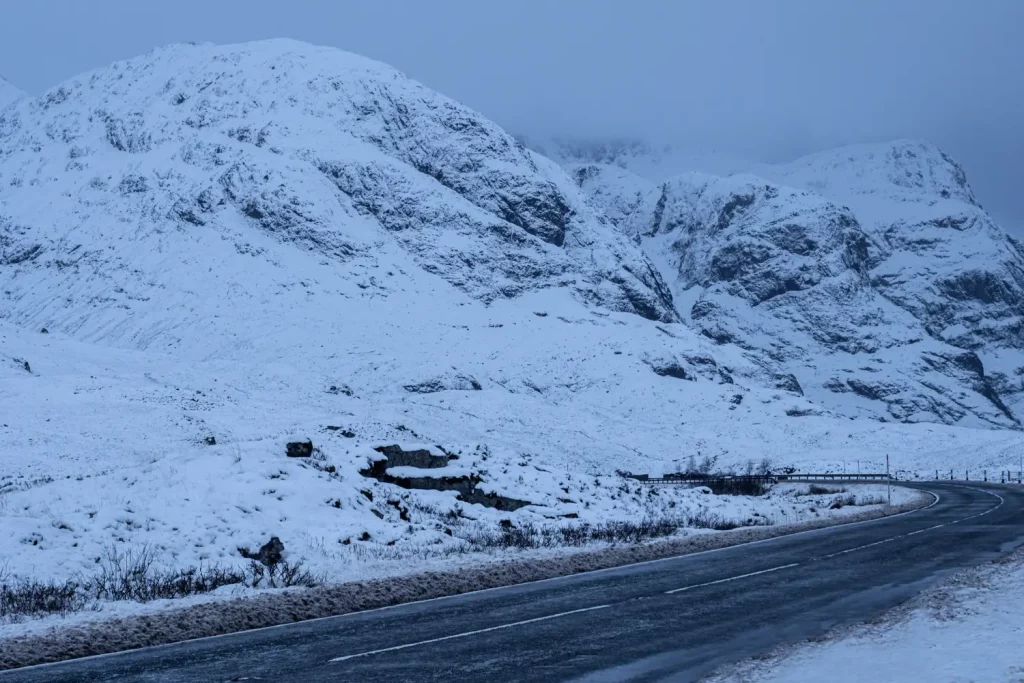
(668, 620)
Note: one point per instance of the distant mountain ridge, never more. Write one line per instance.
(869, 249)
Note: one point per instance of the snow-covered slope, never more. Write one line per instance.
(874, 251)
(153, 168)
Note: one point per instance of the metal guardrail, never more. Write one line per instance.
(705, 480)
(879, 476)
(1003, 476)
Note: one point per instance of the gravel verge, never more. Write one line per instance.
(218, 618)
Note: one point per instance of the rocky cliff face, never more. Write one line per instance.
(112, 175)
(875, 279)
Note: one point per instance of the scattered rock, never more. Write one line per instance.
(671, 369)
(44, 331)
(269, 554)
(396, 457)
(299, 449)
(403, 512)
(788, 382)
(447, 383)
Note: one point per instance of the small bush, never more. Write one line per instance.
(843, 501)
(26, 598)
(528, 536)
(819, 490)
(738, 487)
(131, 574)
(281, 574)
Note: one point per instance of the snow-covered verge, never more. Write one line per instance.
(120, 626)
(969, 628)
(110, 448)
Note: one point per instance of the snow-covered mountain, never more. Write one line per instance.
(310, 147)
(208, 252)
(873, 253)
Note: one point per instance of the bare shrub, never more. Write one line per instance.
(819, 490)
(281, 574)
(30, 598)
(132, 574)
(843, 501)
(738, 486)
(528, 536)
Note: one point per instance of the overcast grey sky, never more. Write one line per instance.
(757, 79)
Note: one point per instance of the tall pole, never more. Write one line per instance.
(888, 481)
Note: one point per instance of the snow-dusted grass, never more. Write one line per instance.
(107, 448)
(118, 626)
(969, 628)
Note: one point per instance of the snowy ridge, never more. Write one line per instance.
(874, 249)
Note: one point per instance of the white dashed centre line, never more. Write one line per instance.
(731, 578)
(468, 633)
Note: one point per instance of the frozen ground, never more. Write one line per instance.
(106, 448)
(970, 628)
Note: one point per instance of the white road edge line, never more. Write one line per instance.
(468, 633)
(921, 531)
(731, 578)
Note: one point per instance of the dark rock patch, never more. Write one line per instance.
(788, 382)
(396, 457)
(269, 554)
(671, 369)
(299, 449)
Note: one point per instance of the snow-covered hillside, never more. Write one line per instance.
(225, 153)
(873, 253)
(209, 252)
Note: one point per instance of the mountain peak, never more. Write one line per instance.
(8, 92)
(898, 167)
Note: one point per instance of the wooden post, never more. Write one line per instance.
(888, 479)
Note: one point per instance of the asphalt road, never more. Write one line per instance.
(668, 620)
